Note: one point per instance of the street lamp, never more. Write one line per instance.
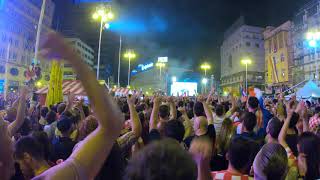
(204, 81)
(160, 65)
(205, 67)
(104, 14)
(313, 38)
(246, 61)
(130, 54)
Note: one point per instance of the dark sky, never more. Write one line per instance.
(193, 29)
(183, 30)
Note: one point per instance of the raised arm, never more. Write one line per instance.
(207, 110)
(70, 102)
(134, 117)
(187, 124)
(15, 125)
(173, 108)
(154, 114)
(283, 132)
(92, 151)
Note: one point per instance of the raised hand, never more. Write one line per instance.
(131, 100)
(201, 98)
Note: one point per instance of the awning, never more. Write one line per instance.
(73, 86)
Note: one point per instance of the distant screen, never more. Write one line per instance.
(184, 88)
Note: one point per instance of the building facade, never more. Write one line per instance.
(278, 56)
(242, 41)
(18, 29)
(305, 57)
(86, 53)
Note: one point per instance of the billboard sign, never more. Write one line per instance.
(145, 66)
(142, 68)
(162, 59)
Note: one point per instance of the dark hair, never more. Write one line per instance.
(309, 144)
(191, 105)
(44, 111)
(180, 104)
(198, 109)
(249, 121)
(253, 102)
(86, 110)
(64, 124)
(317, 109)
(274, 127)
(271, 162)
(294, 120)
(174, 129)
(219, 110)
(53, 108)
(28, 145)
(61, 108)
(239, 153)
(163, 159)
(125, 108)
(308, 103)
(51, 117)
(26, 127)
(275, 101)
(43, 139)
(164, 111)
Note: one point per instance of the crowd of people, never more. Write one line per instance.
(157, 137)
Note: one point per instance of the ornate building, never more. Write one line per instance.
(278, 56)
(18, 29)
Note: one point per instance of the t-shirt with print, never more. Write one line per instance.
(226, 175)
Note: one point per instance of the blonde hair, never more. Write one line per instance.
(224, 137)
(88, 125)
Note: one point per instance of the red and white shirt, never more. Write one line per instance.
(226, 175)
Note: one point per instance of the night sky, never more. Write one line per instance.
(184, 30)
(193, 30)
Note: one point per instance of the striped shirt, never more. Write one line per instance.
(225, 175)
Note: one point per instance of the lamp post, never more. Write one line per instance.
(205, 67)
(246, 62)
(104, 14)
(129, 55)
(161, 65)
(205, 82)
(313, 38)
